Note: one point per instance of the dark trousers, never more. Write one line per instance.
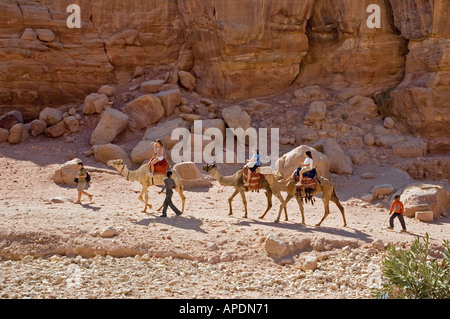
(400, 217)
(168, 203)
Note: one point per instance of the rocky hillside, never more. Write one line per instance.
(236, 50)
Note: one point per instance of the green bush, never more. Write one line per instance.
(411, 274)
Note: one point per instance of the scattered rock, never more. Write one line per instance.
(105, 152)
(187, 80)
(378, 244)
(163, 131)
(288, 163)
(95, 103)
(51, 116)
(72, 123)
(107, 90)
(339, 162)
(17, 134)
(419, 197)
(66, 173)
(389, 123)
(144, 111)
(190, 175)
(412, 148)
(425, 216)
(142, 151)
(169, 100)
(385, 189)
(4, 134)
(109, 232)
(9, 119)
(275, 246)
(367, 198)
(367, 176)
(56, 130)
(316, 112)
(37, 127)
(308, 262)
(45, 35)
(111, 124)
(151, 86)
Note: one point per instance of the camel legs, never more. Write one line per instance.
(183, 198)
(144, 192)
(269, 203)
(269, 206)
(302, 209)
(244, 200)
(283, 206)
(230, 200)
(335, 200)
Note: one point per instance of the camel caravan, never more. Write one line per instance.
(300, 180)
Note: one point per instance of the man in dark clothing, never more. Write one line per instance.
(169, 185)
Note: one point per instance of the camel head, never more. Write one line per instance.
(117, 164)
(208, 167)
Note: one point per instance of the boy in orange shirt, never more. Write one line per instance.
(398, 209)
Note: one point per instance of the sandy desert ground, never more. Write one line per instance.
(54, 249)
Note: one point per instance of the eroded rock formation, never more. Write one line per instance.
(236, 49)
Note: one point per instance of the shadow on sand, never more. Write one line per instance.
(182, 222)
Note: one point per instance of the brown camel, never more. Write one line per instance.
(323, 186)
(237, 182)
(143, 176)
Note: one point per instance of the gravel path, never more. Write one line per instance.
(340, 273)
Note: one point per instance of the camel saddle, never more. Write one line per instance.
(161, 167)
(307, 189)
(255, 177)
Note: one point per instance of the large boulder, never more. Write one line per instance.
(163, 131)
(360, 105)
(106, 152)
(142, 151)
(37, 127)
(237, 118)
(316, 112)
(56, 130)
(4, 134)
(339, 162)
(51, 116)
(187, 80)
(95, 103)
(111, 124)
(190, 175)
(288, 163)
(412, 148)
(144, 111)
(9, 119)
(275, 246)
(170, 99)
(420, 197)
(65, 174)
(152, 86)
(17, 134)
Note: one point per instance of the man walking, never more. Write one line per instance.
(169, 185)
(81, 176)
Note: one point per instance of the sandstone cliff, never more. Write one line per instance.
(237, 49)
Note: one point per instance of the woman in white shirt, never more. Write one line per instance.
(158, 155)
(307, 166)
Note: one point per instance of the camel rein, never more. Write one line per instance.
(128, 174)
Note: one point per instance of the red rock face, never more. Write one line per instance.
(236, 49)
